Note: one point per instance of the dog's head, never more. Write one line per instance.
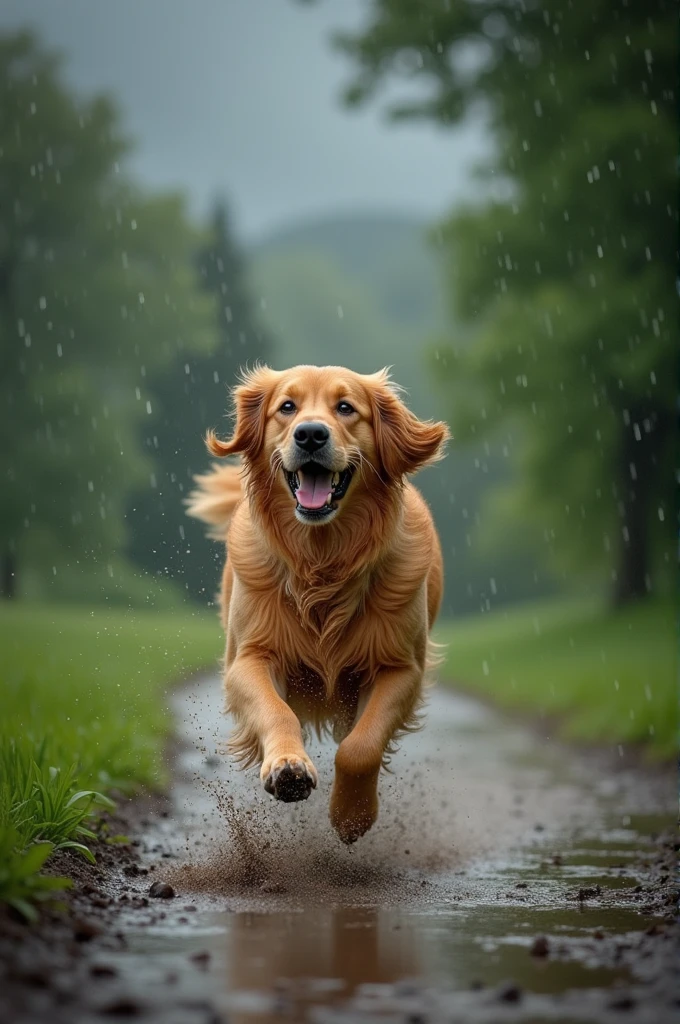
(324, 435)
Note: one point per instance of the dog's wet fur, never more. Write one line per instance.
(333, 576)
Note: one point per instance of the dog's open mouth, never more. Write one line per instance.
(316, 489)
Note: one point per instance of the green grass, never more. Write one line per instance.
(85, 712)
(607, 677)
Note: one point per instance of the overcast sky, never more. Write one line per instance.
(241, 97)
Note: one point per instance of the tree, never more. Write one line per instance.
(567, 272)
(189, 396)
(96, 289)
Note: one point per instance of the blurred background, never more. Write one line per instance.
(184, 191)
(481, 195)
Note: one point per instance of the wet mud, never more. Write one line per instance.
(508, 878)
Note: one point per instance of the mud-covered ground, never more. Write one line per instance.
(508, 878)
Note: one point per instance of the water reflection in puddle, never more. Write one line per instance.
(267, 966)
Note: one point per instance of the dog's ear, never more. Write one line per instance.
(403, 442)
(250, 409)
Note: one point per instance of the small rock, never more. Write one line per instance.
(622, 1002)
(103, 971)
(123, 1007)
(509, 992)
(161, 891)
(201, 959)
(37, 978)
(521, 885)
(84, 930)
(540, 946)
(598, 934)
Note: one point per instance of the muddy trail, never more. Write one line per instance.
(509, 877)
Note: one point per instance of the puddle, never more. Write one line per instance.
(486, 840)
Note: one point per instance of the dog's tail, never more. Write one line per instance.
(215, 499)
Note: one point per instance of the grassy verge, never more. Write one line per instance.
(608, 677)
(84, 712)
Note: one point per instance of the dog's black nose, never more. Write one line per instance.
(311, 436)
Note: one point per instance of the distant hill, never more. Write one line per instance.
(390, 253)
(362, 290)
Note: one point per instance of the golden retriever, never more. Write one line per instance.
(333, 576)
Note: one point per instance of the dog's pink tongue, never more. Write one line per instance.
(314, 491)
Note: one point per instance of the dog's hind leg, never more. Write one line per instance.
(391, 705)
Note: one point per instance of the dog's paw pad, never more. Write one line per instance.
(290, 782)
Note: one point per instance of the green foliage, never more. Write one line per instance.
(85, 714)
(607, 678)
(97, 287)
(41, 800)
(21, 884)
(567, 273)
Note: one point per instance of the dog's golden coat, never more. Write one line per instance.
(326, 625)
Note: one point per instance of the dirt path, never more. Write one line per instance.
(507, 879)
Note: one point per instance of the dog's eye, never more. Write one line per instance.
(287, 408)
(345, 409)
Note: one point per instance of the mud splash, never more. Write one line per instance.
(435, 814)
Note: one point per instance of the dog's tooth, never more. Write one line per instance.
(336, 479)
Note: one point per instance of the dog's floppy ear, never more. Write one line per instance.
(250, 408)
(403, 442)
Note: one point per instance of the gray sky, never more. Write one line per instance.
(241, 97)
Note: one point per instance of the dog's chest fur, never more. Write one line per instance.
(344, 633)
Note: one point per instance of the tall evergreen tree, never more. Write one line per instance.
(189, 396)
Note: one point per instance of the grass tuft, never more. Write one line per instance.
(85, 714)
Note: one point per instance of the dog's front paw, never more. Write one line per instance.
(289, 778)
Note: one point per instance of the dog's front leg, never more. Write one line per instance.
(268, 723)
(354, 800)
